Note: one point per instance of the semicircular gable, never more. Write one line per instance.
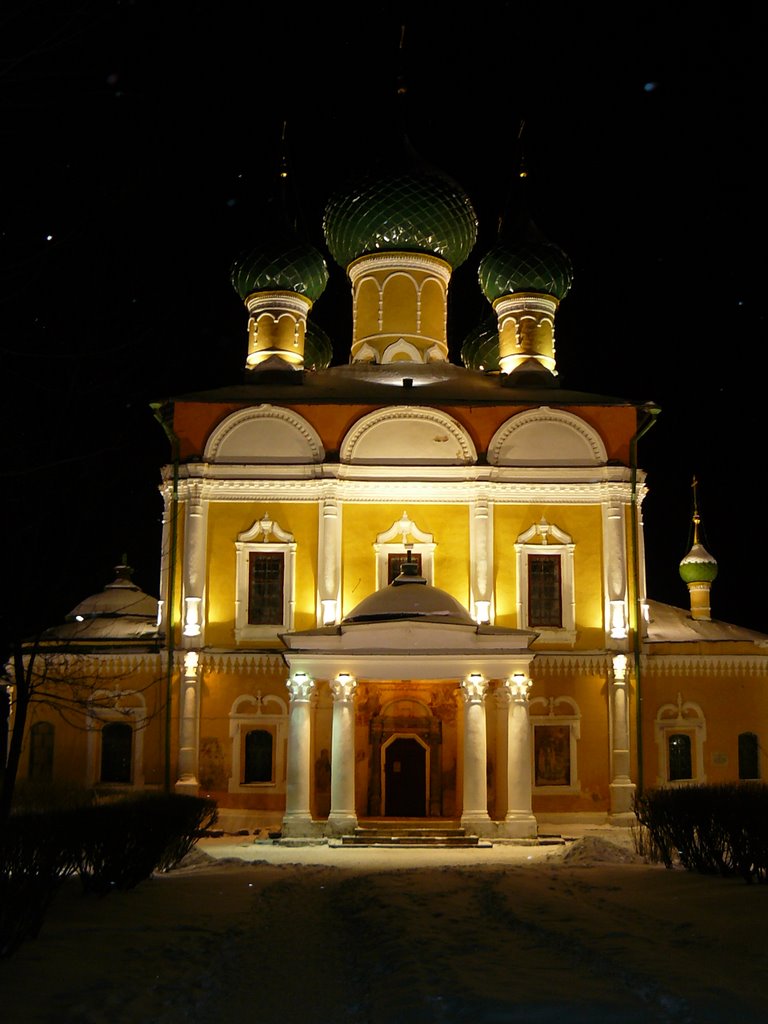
(265, 434)
(401, 435)
(546, 437)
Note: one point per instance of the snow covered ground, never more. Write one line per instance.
(256, 932)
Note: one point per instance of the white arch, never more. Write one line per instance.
(402, 435)
(546, 437)
(264, 434)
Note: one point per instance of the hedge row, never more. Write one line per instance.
(710, 829)
(110, 846)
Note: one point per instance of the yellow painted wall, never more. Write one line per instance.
(361, 524)
(584, 525)
(226, 520)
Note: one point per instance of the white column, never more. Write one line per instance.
(329, 562)
(614, 547)
(297, 820)
(481, 560)
(622, 788)
(194, 562)
(474, 816)
(343, 818)
(519, 821)
(189, 725)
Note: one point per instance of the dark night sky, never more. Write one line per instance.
(141, 138)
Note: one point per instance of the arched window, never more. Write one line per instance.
(749, 764)
(116, 749)
(41, 752)
(258, 756)
(680, 763)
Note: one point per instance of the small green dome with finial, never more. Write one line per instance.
(525, 266)
(698, 566)
(523, 259)
(283, 263)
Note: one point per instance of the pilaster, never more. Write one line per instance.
(622, 789)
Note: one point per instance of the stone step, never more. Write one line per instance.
(404, 836)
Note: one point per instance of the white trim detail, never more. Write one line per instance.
(564, 547)
(410, 537)
(248, 713)
(255, 539)
(546, 437)
(569, 718)
(404, 349)
(681, 717)
(408, 436)
(265, 434)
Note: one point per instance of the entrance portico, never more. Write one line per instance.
(415, 653)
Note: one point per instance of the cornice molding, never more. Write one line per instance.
(715, 665)
(463, 484)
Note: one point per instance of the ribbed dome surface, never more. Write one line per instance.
(282, 264)
(480, 350)
(318, 348)
(416, 210)
(410, 601)
(525, 266)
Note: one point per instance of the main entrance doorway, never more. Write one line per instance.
(405, 778)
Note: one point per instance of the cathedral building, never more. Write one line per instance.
(400, 588)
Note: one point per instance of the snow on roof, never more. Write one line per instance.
(668, 624)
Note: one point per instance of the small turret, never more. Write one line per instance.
(698, 569)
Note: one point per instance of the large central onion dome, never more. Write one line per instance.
(412, 208)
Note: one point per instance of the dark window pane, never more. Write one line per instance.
(258, 756)
(265, 588)
(680, 765)
(395, 564)
(544, 600)
(41, 752)
(749, 767)
(116, 744)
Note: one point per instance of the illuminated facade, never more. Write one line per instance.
(402, 588)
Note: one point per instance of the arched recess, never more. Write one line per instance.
(254, 713)
(402, 435)
(546, 437)
(266, 434)
(404, 721)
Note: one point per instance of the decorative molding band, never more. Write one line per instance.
(252, 662)
(705, 665)
(436, 485)
(570, 664)
(376, 263)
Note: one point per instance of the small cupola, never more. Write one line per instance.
(279, 279)
(698, 569)
(525, 277)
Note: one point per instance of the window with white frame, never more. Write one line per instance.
(555, 733)
(258, 729)
(264, 600)
(392, 547)
(545, 590)
(680, 731)
(116, 724)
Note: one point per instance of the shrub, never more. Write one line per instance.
(719, 829)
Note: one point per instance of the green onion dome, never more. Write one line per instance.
(283, 264)
(318, 348)
(525, 266)
(698, 566)
(410, 208)
(480, 350)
